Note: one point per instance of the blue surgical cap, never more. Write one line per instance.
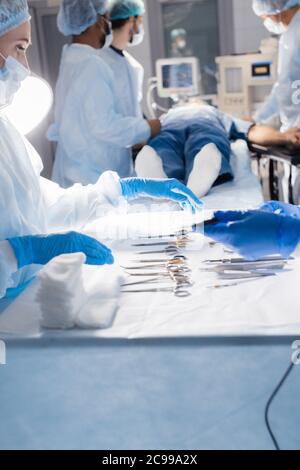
(12, 14)
(272, 7)
(76, 16)
(177, 33)
(123, 9)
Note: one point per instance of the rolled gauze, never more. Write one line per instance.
(61, 293)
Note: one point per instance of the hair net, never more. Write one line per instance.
(123, 9)
(272, 7)
(12, 14)
(177, 33)
(76, 16)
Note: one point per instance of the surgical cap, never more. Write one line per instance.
(76, 16)
(123, 9)
(272, 7)
(12, 14)
(177, 33)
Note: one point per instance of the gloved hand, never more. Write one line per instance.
(256, 234)
(281, 208)
(172, 189)
(40, 249)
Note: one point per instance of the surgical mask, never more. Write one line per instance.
(181, 44)
(138, 38)
(108, 37)
(11, 76)
(274, 27)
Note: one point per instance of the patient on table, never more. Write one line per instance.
(193, 147)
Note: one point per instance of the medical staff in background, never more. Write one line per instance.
(92, 132)
(33, 209)
(282, 17)
(179, 47)
(128, 31)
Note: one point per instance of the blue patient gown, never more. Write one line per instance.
(187, 130)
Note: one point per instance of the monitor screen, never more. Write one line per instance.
(177, 76)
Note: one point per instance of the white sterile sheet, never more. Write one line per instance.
(244, 192)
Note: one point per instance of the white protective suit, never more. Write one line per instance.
(31, 204)
(128, 80)
(280, 102)
(92, 133)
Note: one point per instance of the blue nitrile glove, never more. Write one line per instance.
(281, 208)
(172, 189)
(40, 249)
(255, 234)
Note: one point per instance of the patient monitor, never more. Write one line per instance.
(178, 77)
(245, 80)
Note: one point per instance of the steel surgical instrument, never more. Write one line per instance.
(177, 291)
(244, 261)
(177, 259)
(180, 243)
(170, 249)
(180, 281)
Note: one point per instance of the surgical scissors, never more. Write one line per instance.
(180, 243)
(177, 291)
(169, 250)
(180, 281)
(169, 270)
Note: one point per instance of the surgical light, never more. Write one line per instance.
(30, 105)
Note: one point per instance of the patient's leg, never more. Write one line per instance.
(148, 164)
(206, 169)
(164, 155)
(207, 154)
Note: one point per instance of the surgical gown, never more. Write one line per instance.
(92, 133)
(31, 204)
(285, 97)
(129, 78)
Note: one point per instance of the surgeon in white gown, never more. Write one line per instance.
(128, 31)
(92, 131)
(282, 18)
(29, 204)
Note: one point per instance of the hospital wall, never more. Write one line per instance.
(244, 36)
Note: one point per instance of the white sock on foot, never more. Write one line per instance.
(206, 169)
(148, 164)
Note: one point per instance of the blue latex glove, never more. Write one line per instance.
(172, 189)
(40, 249)
(255, 234)
(281, 208)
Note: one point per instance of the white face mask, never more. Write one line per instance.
(108, 38)
(181, 44)
(138, 38)
(11, 76)
(274, 27)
